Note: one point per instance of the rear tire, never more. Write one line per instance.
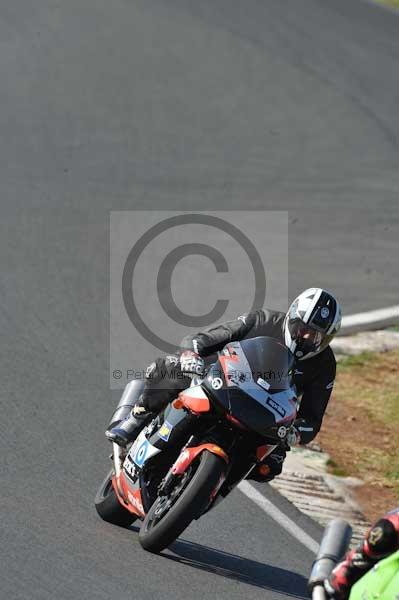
(188, 506)
(108, 506)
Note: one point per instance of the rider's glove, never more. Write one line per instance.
(191, 362)
(330, 591)
(293, 437)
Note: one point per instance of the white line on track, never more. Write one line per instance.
(373, 319)
(285, 522)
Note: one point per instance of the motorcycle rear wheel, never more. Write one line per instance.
(108, 506)
(158, 533)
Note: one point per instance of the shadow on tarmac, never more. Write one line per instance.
(240, 569)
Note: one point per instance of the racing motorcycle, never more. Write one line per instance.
(206, 441)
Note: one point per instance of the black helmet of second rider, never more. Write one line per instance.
(312, 320)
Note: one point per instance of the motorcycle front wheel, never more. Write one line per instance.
(169, 516)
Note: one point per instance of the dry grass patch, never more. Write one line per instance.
(361, 428)
(393, 3)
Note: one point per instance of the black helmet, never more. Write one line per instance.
(312, 320)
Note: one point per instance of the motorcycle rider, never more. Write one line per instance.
(379, 542)
(307, 329)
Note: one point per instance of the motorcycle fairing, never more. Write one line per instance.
(141, 450)
(194, 399)
(149, 443)
(129, 494)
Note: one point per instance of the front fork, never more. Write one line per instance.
(225, 490)
(118, 455)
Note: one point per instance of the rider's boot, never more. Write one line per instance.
(126, 431)
(130, 415)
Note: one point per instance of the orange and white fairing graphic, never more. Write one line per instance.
(129, 497)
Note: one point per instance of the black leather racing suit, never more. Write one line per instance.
(314, 377)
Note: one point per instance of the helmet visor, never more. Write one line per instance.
(311, 340)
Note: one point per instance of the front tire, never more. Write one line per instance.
(155, 535)
(108, 506)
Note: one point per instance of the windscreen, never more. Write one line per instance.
(269, 361)
(253, 381)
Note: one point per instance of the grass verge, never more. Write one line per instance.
(392, 3)
(361, 428)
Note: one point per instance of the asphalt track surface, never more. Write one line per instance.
(187, 105)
